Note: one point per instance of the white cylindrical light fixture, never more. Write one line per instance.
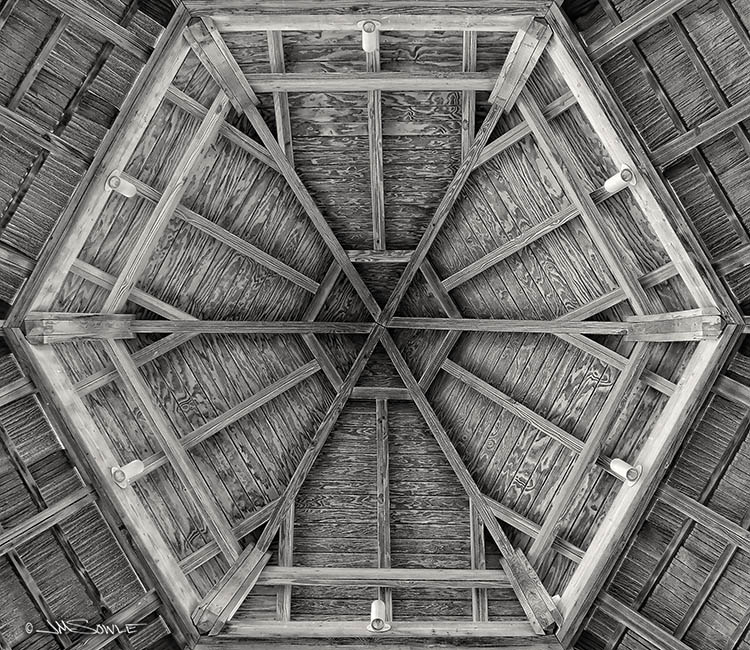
(625, 471)
(377, 617)
(117, 183)
(622, 179)
(126, 473)
(369, 34)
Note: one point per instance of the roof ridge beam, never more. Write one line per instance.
(211, 50)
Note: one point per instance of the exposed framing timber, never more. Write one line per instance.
(280, 99)
(631, 501)
(665, 216)
(60, 395)
(590, 451)
(192, 479)
(375, 138)
(159, 218)
(383, 500)
(222, 601)
(286, 548)
(468, 97)
(117, 147)
(506, 85)
(479, 601)
(536, 602)
(213, 52)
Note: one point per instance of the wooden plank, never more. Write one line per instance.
(286, 548)
(732, 390)
(628, 30)
(380, 256)
(689, 325)
(230, 132)
(6, 10)
(192, 480)
(211, 49)
(280, 100)
(157, 222)
(238, 8)
(536, 602)
(631, 501)
(590, 452)
(45, 327)
(383, 501)
(652, 633)
(350, 82)
(664, 215)
(468, 97)
(568, 440)
(16, 390)
(520, 62)
(42, 521)
(399, 629)
(614, 328)
(245, 407)
(468, 163)
(709, 130)
(384, 577)
(106, 27)
(479, 602)
(564, 169)
(228, 23)
(222, 601)
(380, 392)
(227, 238)
(84, 208)
(375, 148)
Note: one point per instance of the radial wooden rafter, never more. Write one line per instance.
(632, 370)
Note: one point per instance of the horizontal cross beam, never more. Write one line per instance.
(345, 82)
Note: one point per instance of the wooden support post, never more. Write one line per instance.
(590, 451)
(192, 479)
(375, 135)
(222, 601)
(383, 500)
(479, 603)
(280, 99)
(93, 443)
(536, 602)
(214, 54)
(468, 97)
(117, 147)
(286, 549)
(157, 222)
(631, 501)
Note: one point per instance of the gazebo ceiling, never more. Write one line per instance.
(328, 326)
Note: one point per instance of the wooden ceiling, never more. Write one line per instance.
(371, 322)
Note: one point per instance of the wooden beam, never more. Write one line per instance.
(459, 180)
(232, 415)
(520, 62)
(351, 82)
(213, 52)
(380, 392)
(159, 218)
(383, 500)
(479, 602)
(395, 22)
(542, 424)
(227, 238)
(280, 100)
(656, 636)
(631, 501)
(399, 629)
(384, 577)
(536, 602)
(468, 97)
(106, 27)
(192, 480)
(6, 10)
(59, 394)
(709, 130)
(691, 325)
(590, 452)
(380, 256)
(563, 167)
(502, 325)
(44, 328)
(16, 390)
(286, 548)
(238, 8)
(375, 138)
(222, 601)
(117, 147)
(628, 30)
(665, 216)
